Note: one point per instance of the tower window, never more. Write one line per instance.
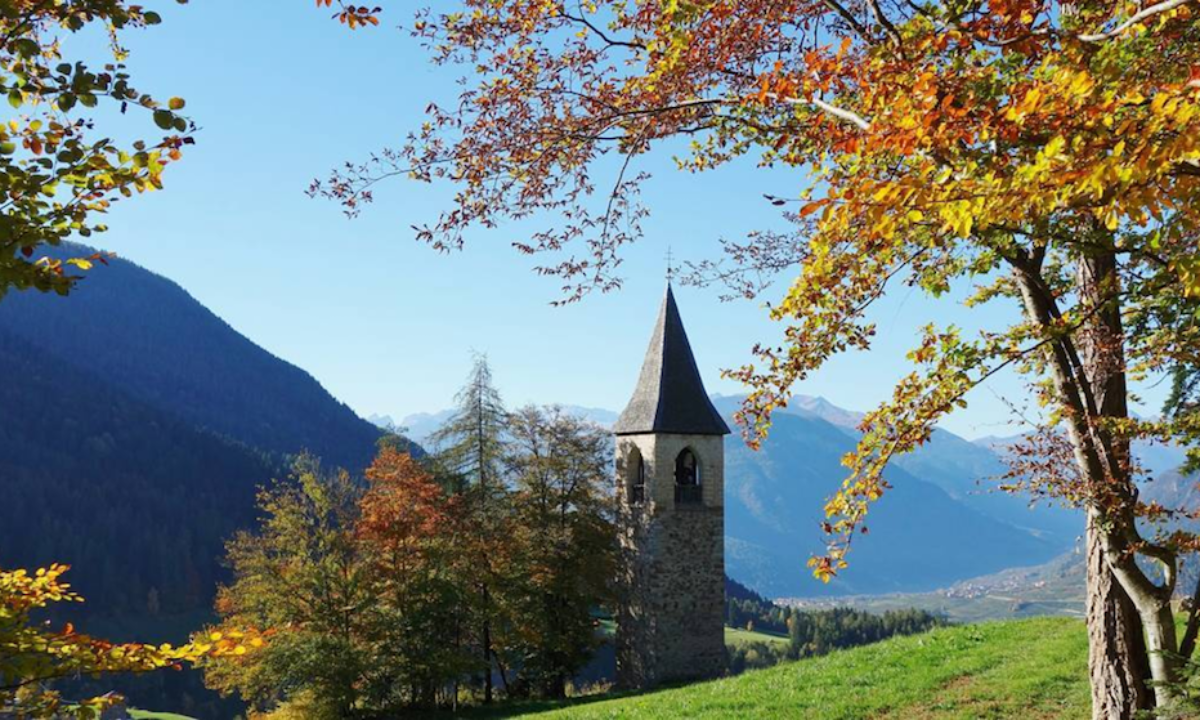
(637, 491)
(687, 478)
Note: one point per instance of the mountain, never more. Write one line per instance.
(135, 499)
(965, 470)
(1156, 458)
(939, 526)
(420, 426)
(817, 406)
(135, 429)
(920, 537)
(144, 335)
(970, 474)
(137, 426)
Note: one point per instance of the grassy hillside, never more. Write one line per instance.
(1025, 668)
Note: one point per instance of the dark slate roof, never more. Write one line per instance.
(670, 396)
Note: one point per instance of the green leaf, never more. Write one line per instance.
(165, 119)
(16, 98)
(25, 47)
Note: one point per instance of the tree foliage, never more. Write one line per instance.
(33, 654)
(413, 534)
(390, 597)
(301, 576)
(565, 544)
(59, 166)
(470, 454)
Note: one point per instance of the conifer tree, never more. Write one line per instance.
(470, 450)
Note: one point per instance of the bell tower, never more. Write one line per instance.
(670, 469)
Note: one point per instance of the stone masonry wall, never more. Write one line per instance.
(670, 624)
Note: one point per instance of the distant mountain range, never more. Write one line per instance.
(942, 524)
(937, 526)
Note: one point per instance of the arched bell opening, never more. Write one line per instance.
(688, 490)
(637, 478)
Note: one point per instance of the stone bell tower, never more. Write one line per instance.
(670, 491)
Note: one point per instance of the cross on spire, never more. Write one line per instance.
(670, 267)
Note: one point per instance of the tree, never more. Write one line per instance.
(301, 576)
(566, 542)
(470, 453)
(411, 534)
(1042, 155)
(59, 167)
(32, 654)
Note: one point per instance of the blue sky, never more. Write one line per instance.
(387, 325)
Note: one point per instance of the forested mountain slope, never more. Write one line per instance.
(137, 501)
(135, 429)
(145, 335)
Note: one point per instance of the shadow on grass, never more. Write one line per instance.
(526, 707)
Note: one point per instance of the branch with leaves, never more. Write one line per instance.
(59, 170)
(33, 655)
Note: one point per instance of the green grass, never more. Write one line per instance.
(1014, 669)
(147, 715)
(734, 636)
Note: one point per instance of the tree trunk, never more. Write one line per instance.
(1117, 660)
(487, 647)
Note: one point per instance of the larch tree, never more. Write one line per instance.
(1040, 154)
(470, 453)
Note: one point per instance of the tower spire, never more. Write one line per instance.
(670, 395)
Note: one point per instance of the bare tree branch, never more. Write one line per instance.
(848, 115)
(846, 15)
(883, 20)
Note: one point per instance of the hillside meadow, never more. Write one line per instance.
(1035, 668)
